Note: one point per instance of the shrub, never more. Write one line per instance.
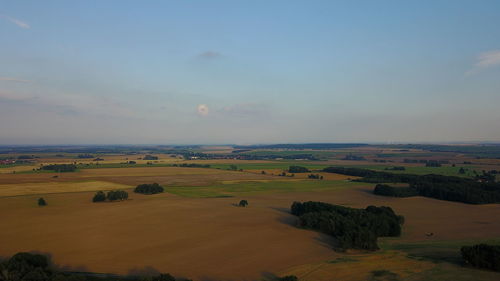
(243, 203)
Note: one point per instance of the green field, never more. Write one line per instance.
(253, 187)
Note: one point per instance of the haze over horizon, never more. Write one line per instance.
(248, 72)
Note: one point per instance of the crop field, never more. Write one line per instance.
(196, 230)
(56, 187)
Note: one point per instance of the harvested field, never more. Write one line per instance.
(56, 187)
(212, 239)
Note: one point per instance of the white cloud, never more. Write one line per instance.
(202, 110)
(11, 79)
(17, 22)
(485, 60)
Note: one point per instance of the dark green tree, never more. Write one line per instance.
(149, 188)
(243, 203)
(100, 196)
(42, 202)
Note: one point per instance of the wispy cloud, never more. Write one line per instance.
(11, 79)
(15, 21)
(245, 109)
(70, 104)
(210, 55)
(485, 60)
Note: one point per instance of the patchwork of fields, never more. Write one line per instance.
(195, 229)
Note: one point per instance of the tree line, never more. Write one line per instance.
(60, 168)
(352, 228)
(298, 169)
(459, 189)
(191, 165)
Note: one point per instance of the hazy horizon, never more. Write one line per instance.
(256, 72)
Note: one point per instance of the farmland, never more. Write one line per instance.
(196, 230)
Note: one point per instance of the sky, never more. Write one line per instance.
(249, 72)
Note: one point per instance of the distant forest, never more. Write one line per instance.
(316, 146)
(482, 190)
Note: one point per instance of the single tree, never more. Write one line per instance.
(243, 203)
(42, 202)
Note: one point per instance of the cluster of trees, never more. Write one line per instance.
(85, 156)
(260, 156)
(298, 169)
(353, 228)
(60, 168)
(192, 165)
(395, 168)
(150, 157)
(432, 163)
(31, 267)
(315, 176)
(148, 189)
(352, 157)
(112, 195)
(26, 157)
(293, 146)
(441, 187)
(387, 190)
(381, 160)
(485, 176)
(425, 161)
(482, 256)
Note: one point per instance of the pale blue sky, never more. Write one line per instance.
(135, 72)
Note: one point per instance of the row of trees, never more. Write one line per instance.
(449, 188)
(298, 169)
(150, 157)
(395, 168)
(191, 165)
(482, 256)
(112, 195)
(60, 168)
(353, 228)
(146, 188)
(315, 176)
